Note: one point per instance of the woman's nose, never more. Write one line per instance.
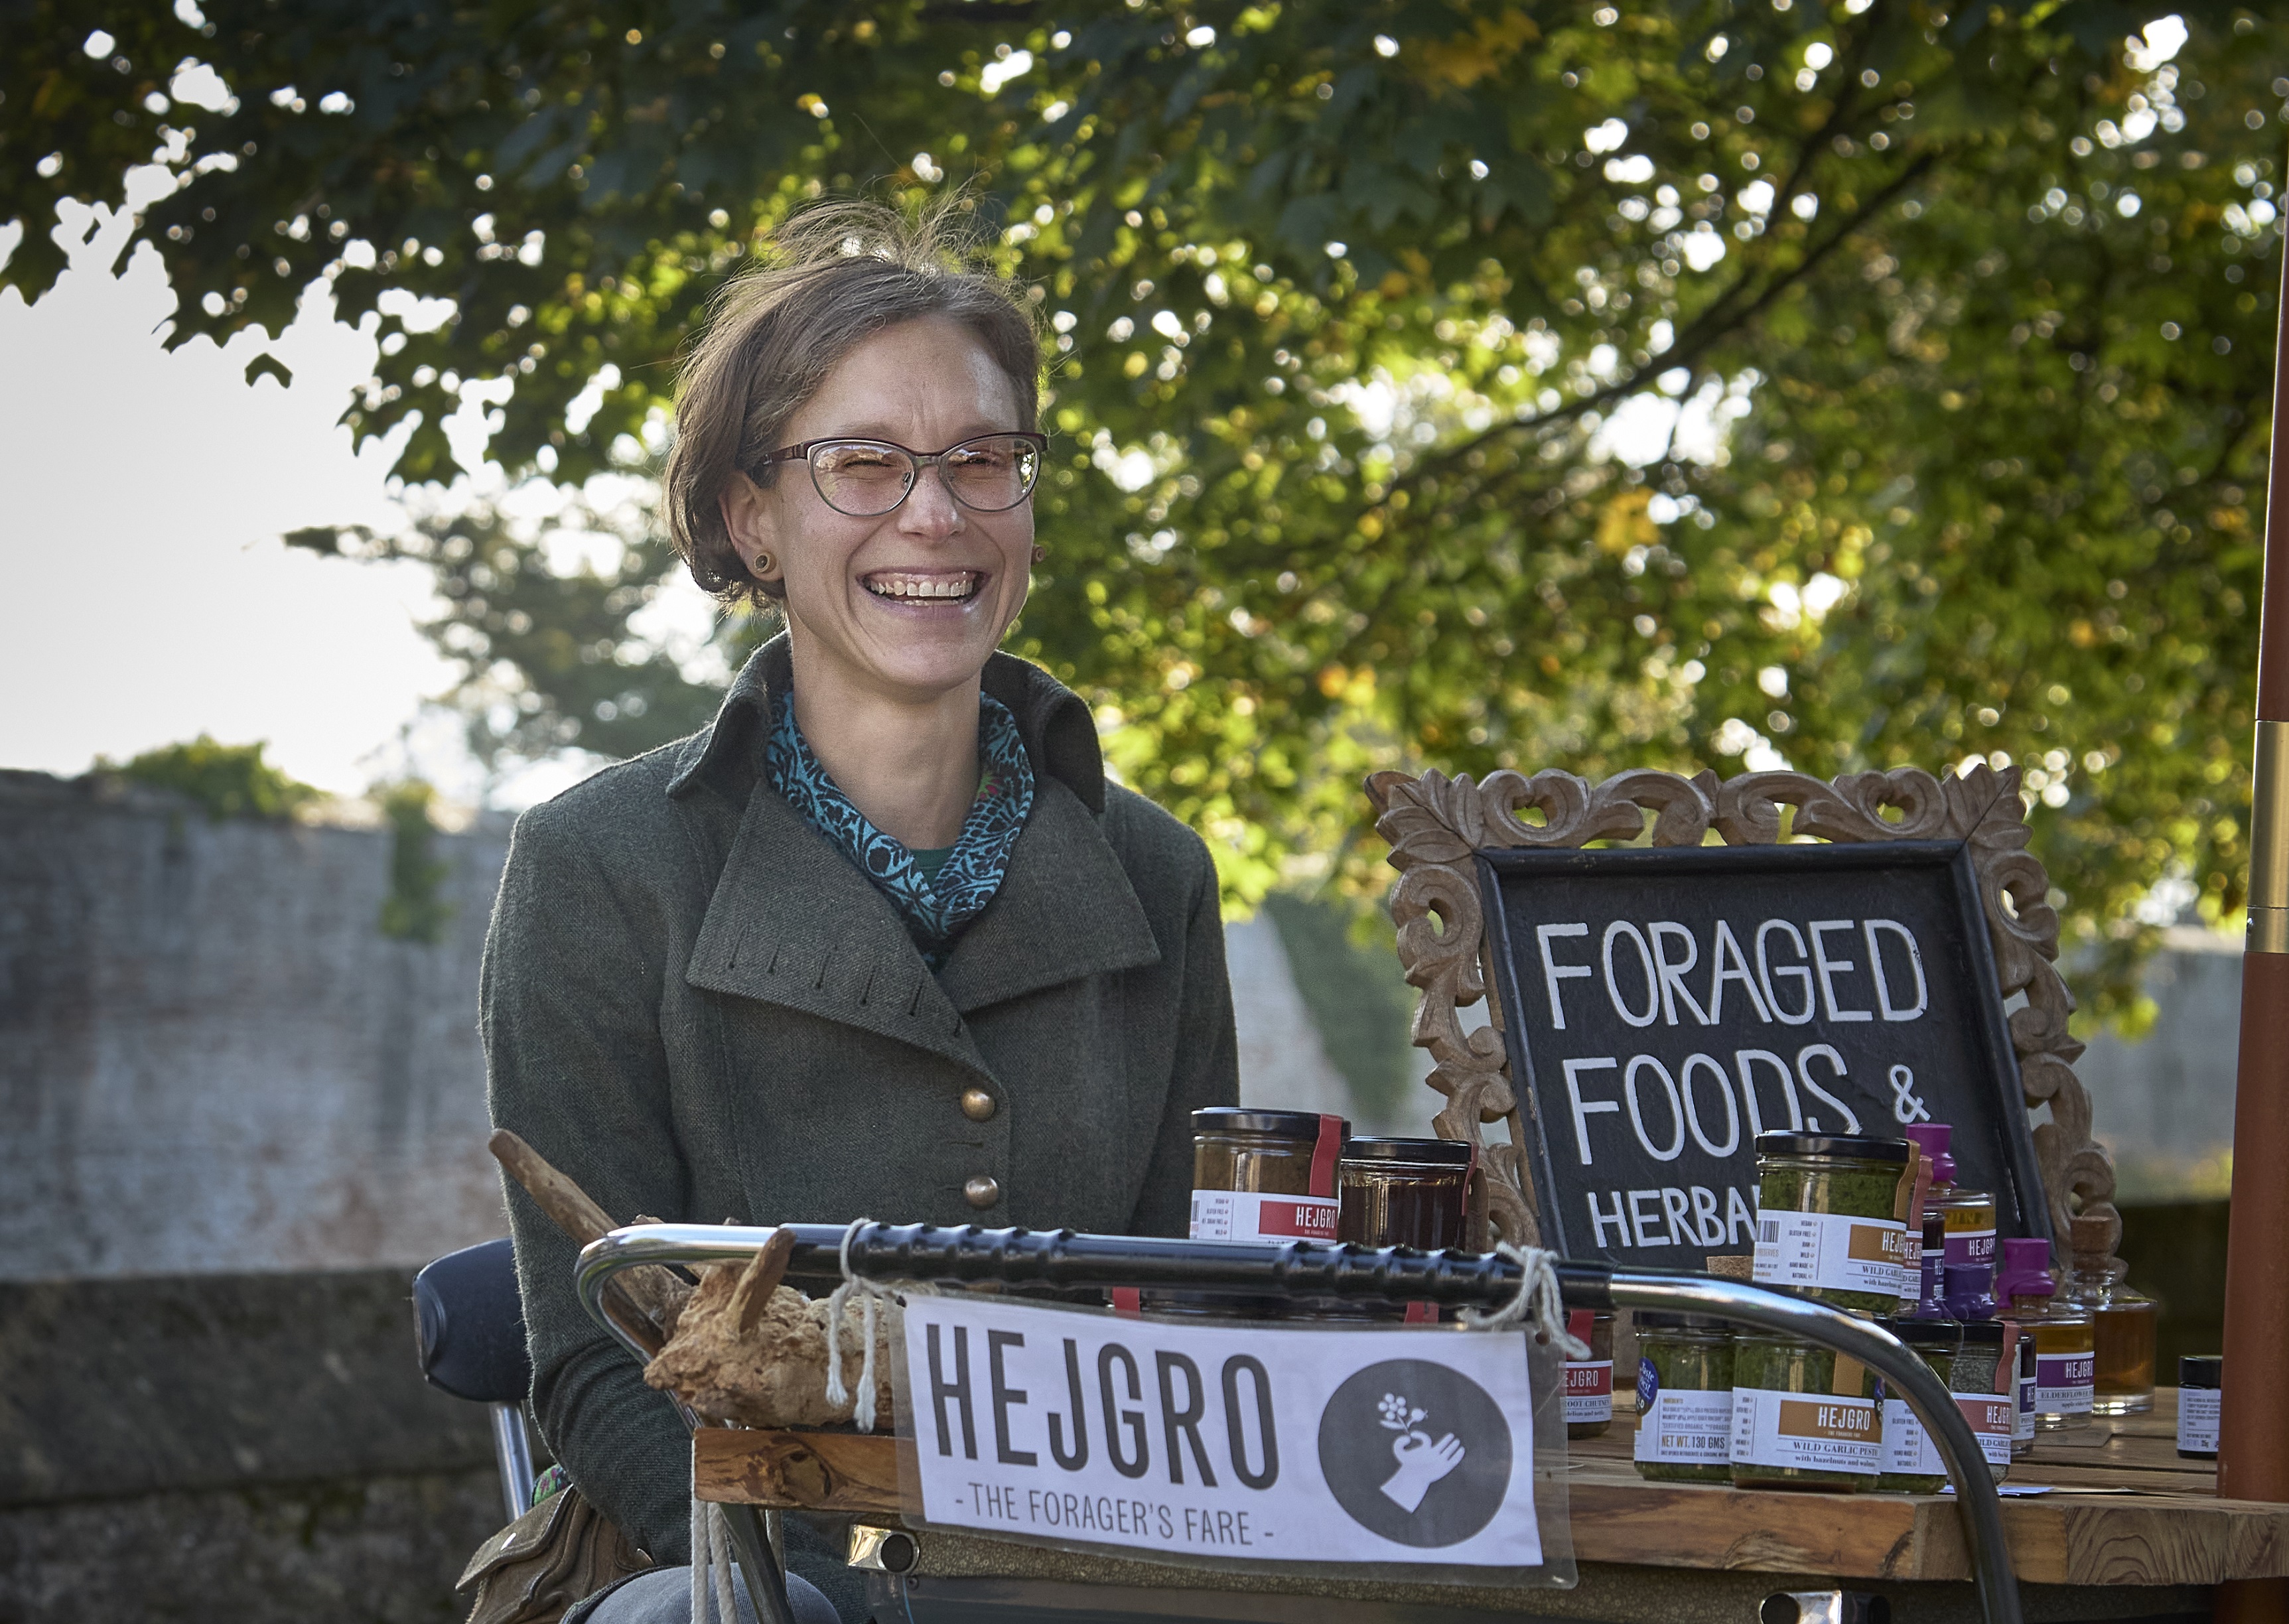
(931, 509)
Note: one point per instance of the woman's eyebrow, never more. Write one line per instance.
(878, 431)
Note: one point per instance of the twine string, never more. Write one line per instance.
(1537, 1297)
(872, 1294)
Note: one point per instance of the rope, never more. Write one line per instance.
(1537, 1295)
(712, 1601)
(871, 1295)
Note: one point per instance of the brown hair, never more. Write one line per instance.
(833, 276)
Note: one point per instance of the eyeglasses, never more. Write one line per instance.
(868, 478)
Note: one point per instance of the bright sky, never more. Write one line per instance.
(145, 597)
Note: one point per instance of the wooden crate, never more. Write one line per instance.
(2122, 1509)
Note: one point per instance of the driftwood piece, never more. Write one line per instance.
(647, 1293)
(771, 1370)
(752, 1294)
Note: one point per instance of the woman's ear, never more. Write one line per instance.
(751, 521)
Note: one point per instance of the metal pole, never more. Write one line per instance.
(1065, 1260)
(513, 1453)
(2253, 1432)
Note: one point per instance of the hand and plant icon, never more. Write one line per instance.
(1421, 1462)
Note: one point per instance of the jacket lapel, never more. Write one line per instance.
(792, 922)
(1064, 911)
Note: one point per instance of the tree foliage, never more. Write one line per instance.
(1959, 323)
(225, 780)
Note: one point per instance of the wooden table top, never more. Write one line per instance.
(2119, 1508)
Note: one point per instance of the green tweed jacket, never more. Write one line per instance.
(695, 1005)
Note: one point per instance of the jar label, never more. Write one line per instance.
(1807, 1431)
(1247, 1214)
(2062, 1382)
(1687, 1428)
(1992, 1420)
(2023, 1428)
(1970, 1245)
(1911, 1271)
(1907, 1448)
(1831, 1249)
(1589, 1390)
(2198, 1419)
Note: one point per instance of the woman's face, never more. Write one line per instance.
(909, 603)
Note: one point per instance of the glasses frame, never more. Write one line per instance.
(921, 461)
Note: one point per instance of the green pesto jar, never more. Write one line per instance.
(1832, 1218)
(1911, 1462)
(1803, 1417)
(1685, 1398)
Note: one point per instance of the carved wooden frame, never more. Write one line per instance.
(1434, 823)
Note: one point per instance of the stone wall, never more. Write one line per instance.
(211, 1056)
(239, 1117)
(255, 1447)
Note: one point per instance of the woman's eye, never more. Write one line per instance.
(857, 460)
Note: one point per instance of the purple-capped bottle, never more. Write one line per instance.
(1969, 1294)
(2065, 1355)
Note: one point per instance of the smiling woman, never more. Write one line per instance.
(882, 941)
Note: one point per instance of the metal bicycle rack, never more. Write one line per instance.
(1056, 1263)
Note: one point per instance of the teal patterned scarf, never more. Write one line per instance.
(935, 908)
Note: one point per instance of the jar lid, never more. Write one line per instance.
(1658, 1319)
(1933, 1137)
(1834, 1144)
(2203, 1370)
(1446, 1151)
(1248, 1119)
(1925, 1333)
(1982, 1332)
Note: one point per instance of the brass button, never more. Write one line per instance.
(983, 1189)
(976, 1104)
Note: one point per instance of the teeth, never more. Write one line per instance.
(923, 588)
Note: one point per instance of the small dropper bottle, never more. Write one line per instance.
(2123, 1319)
(2065, 1358)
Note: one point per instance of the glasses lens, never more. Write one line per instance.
(861, 477)
(993, 473)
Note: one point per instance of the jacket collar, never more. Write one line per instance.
(1060, 734)
(792, 922)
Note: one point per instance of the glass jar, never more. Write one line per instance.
(1986, 1392)
(1264, 1174)
(2124, 1321)
(1831, 1217)
(1685, 1398)
(2021, 1342)
(1403, 1192)
(1589, 1395)
(2201, 1377)
(2064, 1360)
(1970, 1217)
(1804, 1417)
(1911, 1461)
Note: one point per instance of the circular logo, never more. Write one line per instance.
(1415, 1452)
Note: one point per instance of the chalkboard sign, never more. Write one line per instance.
(1664, 1005)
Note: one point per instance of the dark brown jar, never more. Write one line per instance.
(1589, 1395)
(1264, 1174)
(1404, 1192)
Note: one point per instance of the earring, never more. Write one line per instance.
(762, 565)
(1040, 553)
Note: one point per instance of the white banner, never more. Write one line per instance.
(1221, 1441)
